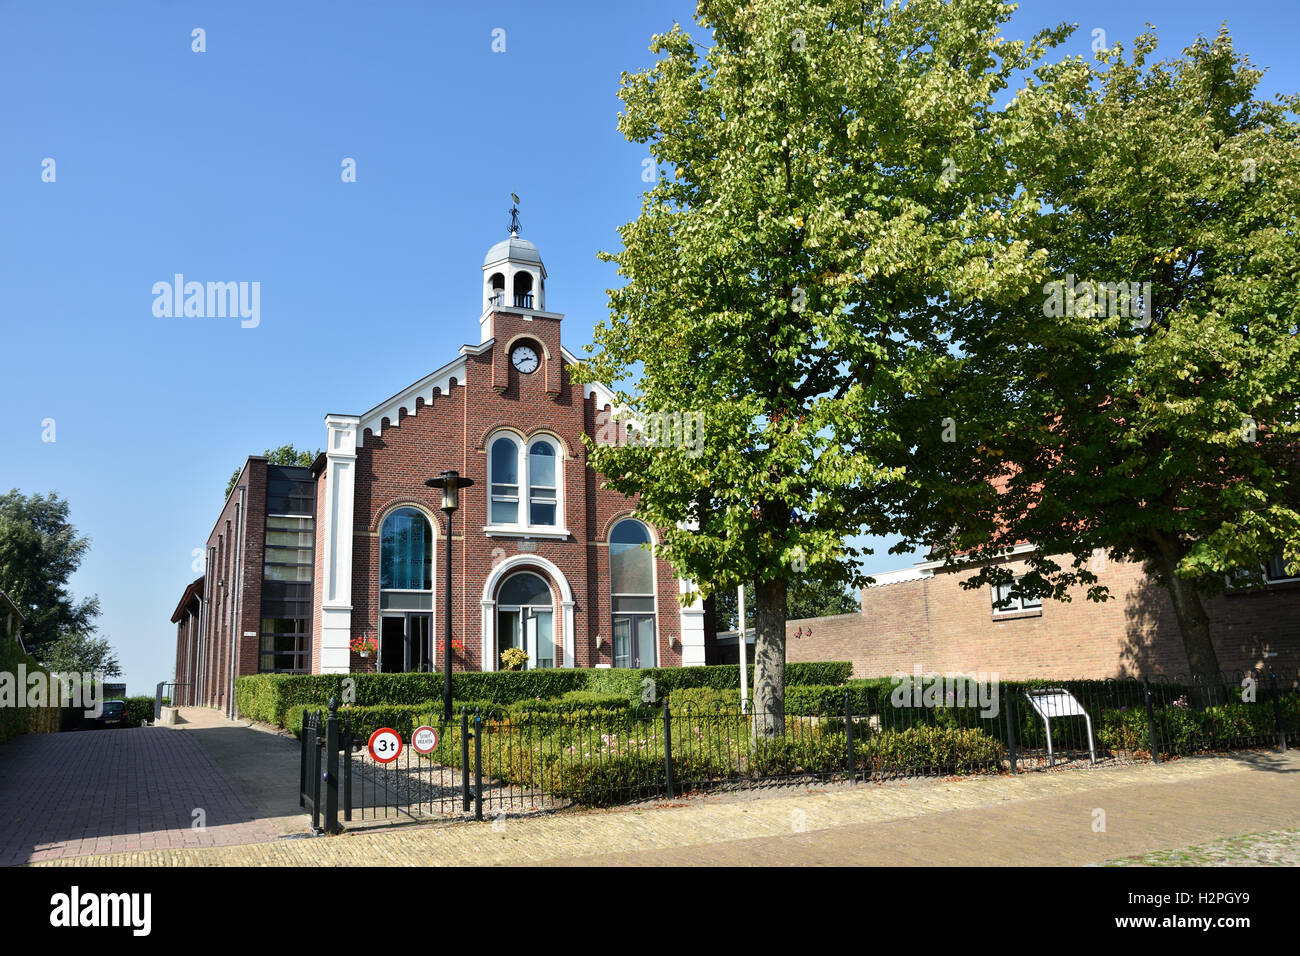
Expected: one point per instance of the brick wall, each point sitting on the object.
(452, 432)
(934, 623)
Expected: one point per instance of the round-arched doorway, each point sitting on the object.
(526, 618)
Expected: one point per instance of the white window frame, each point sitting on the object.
(523, 526)
(1020, 605)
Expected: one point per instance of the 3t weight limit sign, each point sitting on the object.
(385, 745)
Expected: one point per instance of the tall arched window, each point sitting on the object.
(632, 594)
(541, 484)
(406, 552)
(505, 482)
(525, 618)
(405, 592)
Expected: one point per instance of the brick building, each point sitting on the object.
(919, 617)
(303, 562)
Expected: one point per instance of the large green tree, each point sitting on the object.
(81, 653)
(284, 455)
(39, 551)
(830, 196)
(1155, 422)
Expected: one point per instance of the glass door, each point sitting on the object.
(419, 648)
(634, 640)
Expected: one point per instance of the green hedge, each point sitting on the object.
(24, 720)
(271, 698)
(139, 709)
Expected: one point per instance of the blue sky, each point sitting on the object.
(225, 166)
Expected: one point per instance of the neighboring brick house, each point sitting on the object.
(304, 561)
(918, 617)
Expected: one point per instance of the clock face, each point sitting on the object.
(524, 358)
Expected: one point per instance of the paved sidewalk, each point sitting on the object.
(1033, 819)
(103, 791)
(262, 761)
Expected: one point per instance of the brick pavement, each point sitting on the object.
(107, 791)
(1041, 818)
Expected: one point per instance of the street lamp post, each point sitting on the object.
(450, 482)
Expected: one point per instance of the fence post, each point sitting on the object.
(848, 735)
(668, 747)
(1151, 723)
(1277, 712)
(478, 765)
(347, 769)
(331, 772)
(464, 759)
(314, 771)
(302, 761)
(1011, 731)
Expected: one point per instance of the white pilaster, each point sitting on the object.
(488, 615)
(337, 513)
(567, 636)
(692, 622)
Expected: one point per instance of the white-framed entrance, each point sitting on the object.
(562, 615)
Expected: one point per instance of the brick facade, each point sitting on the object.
(934, 623)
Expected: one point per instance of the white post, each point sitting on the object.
(744, 651)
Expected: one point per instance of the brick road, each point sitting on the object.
(107, 791)
(1040, 818)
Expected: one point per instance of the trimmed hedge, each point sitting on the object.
(16, 720)
(271, 698)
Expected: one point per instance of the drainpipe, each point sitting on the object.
(237, 626)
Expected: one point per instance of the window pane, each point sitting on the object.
(505, 462)
(288, 572)
(642, 605)
(289, 539)
(542, 513)
(631, 566)
(405, 551)
(505, 512)
(541, 464)
(524, 588)
(289, 524)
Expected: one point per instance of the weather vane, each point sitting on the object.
(514, 216)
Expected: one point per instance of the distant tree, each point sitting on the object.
(79, 652)
(804, 599)
(284, 455)
(39, 551)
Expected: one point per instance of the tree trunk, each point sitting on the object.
(769, 659)
(1193, 622)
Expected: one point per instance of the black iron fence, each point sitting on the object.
(524, 760)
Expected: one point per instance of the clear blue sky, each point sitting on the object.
(225, 165)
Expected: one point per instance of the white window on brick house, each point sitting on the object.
(527, 493)
(632, 594)
(504, 479)
(542, 487)
(1008, 600)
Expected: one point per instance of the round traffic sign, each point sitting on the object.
(424, 740)
(385, 744)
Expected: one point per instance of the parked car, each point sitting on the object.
(113, 714)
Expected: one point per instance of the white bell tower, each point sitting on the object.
(514, 278)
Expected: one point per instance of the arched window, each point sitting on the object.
(505, 482)
(632, 594)
(525, 618)
(523, 290)
(526, 491)
(406, 552)
(405, 592)
(498, 286)
(541, 484)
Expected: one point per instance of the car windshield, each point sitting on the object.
(114, 707)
